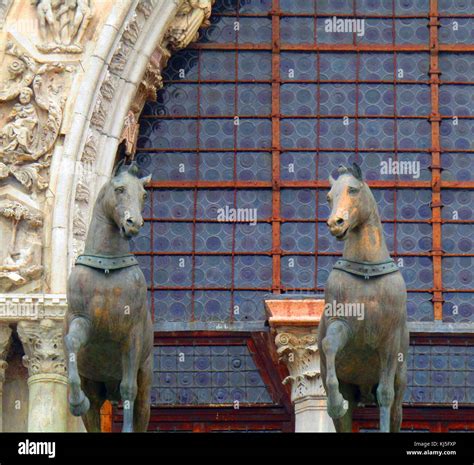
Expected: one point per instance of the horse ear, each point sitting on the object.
(146, 179)
(356, 171)
(121, 150)
(331, 180)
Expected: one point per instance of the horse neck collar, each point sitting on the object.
(366, 269)
(107, 262)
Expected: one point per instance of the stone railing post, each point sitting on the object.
(5, 340)
(47, 382)
(295, 323)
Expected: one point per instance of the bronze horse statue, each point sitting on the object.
(363, 359)
(109, 330)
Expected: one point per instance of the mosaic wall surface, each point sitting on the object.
(203, 375)
(242, 125)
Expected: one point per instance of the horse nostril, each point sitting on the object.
(130, 221)
(339, 221)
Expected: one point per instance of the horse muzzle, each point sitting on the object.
(338, 228)
(130, 228)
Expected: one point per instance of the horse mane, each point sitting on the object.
(354, 170)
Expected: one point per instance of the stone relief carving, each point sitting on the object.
(33, 123)
(43, 345)
(62, 24)
(22, 261)
(300, 354)
(192, 15)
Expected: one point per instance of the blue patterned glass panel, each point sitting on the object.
(458, 272)
(419, 306)
(253, 271)
(413, 204)
(458, 307)
(253, 238)
(212, 305)
(410, 7)
(457, 166)
(182, 65)
(299, 65)
(172, 271)
(457, 204)
(456, 30)
(440, 374)
(212, 271)
(200, 375)
(298, 237)
(456, 66)
(337, 99)
(456, 100)
(338, 66)
(298, 203)
(417, 272)
(255, 30)
(413, 237)
(172, 306)
(454, 6)
(297, 6)
(298, 133)
(297, 30)
(172, 237)
(457, 238)
(298, 99)
(173, 203)
(254, 65)
(297, 272)
(250, 305)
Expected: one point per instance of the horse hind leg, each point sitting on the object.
(337, 335)
(129, 385)
(76, 337)
(386, 388)
(141, 414)
(95, 392)
(400, 385)
(344, 424)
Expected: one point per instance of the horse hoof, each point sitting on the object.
(338, 409)
(80, 408)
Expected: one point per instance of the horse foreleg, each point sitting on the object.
(385, 389)
(76, 337)
(128, 385)
(337, 335)
(141, 414)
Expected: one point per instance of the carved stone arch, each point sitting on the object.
(123, 71)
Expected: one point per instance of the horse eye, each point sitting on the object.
(145, 196)
(353, 190)
(120, 190)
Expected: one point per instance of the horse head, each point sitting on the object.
(123, 199)
(350, 200)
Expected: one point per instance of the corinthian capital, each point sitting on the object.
(299, 351)
(5, 340)
(43, 346)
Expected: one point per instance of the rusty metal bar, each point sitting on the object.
(276, 151)
(436, 204)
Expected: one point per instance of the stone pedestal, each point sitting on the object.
(5, 340)
(295, 323)
(47, 382)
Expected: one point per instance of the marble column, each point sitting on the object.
(297, 348)
(5, 340)
(294, 323)
(47, 382)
